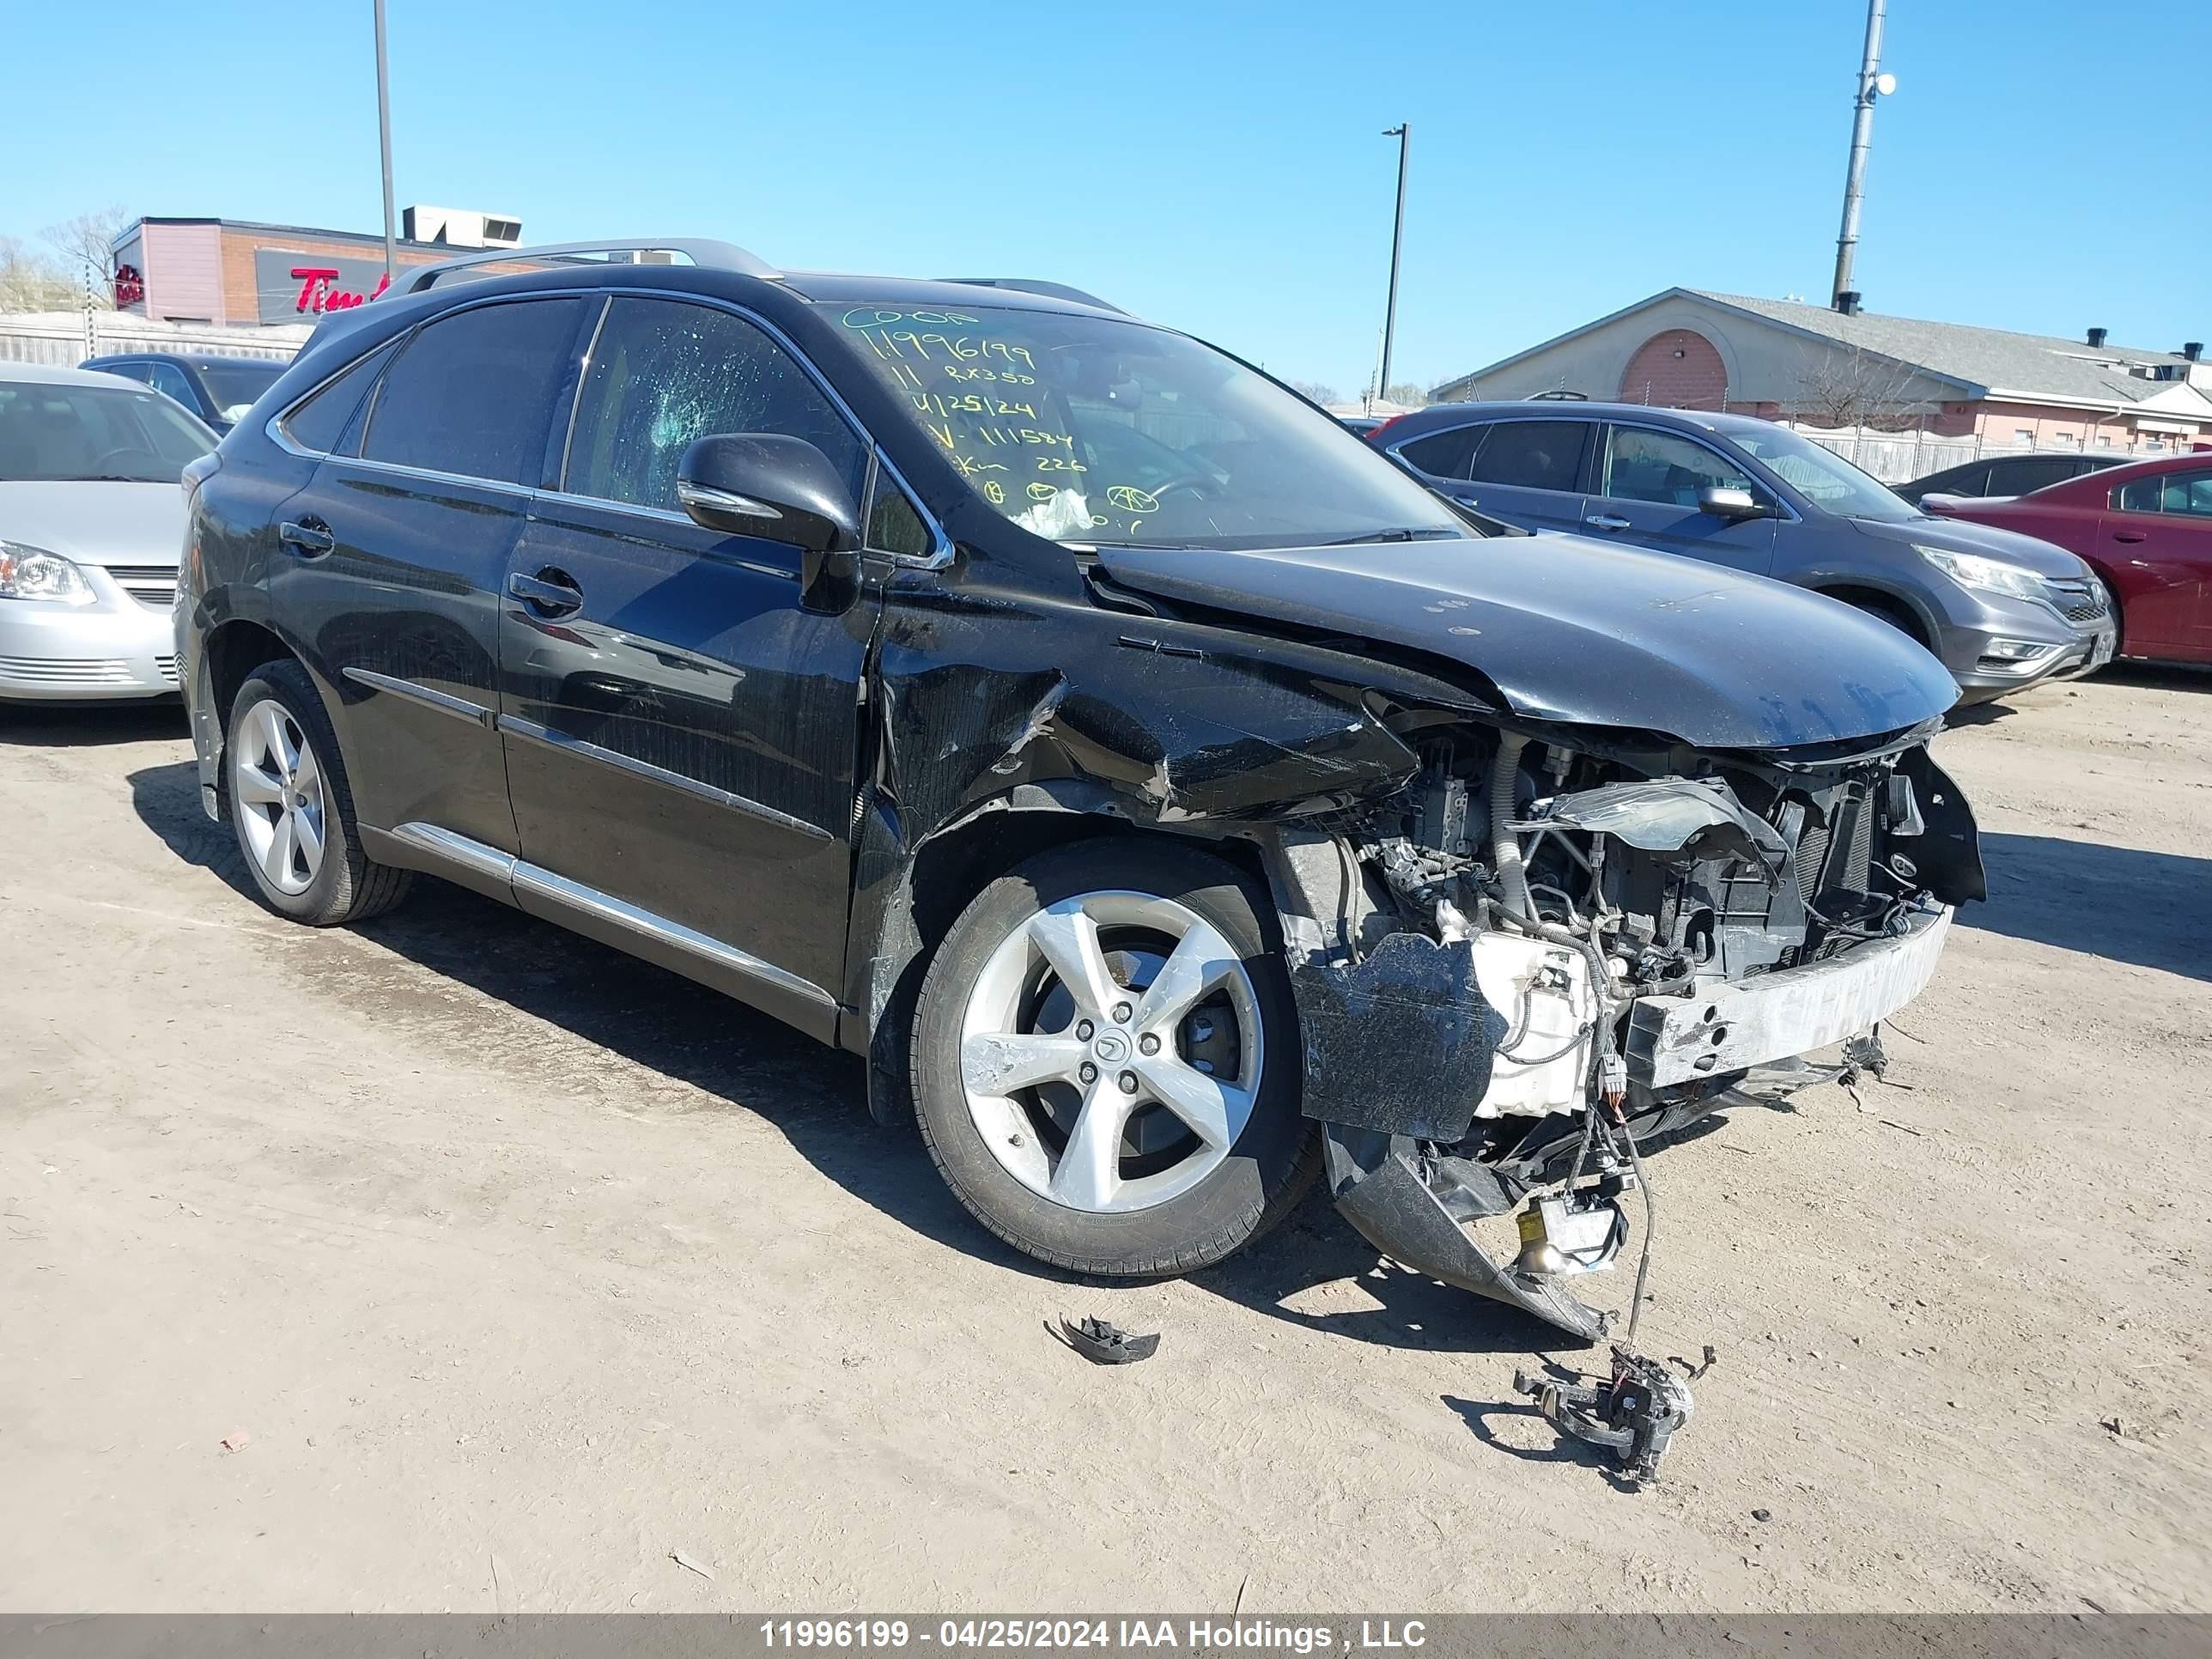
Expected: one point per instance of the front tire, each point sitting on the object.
(1895, 613)
(1106, 1060)
(291, 808)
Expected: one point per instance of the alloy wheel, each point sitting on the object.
(1111, 1051)
(276, 790)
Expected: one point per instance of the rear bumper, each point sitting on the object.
(1770, 1017)
(118, 649)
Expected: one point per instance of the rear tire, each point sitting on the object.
(1177, 1176)
(291, 808)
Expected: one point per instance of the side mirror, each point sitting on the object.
(1729, 503)
(779, 489)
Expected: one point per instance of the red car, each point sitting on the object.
(2147, 529)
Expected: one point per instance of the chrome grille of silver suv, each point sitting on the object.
(2078, 598)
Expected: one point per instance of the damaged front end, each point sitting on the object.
(1554, 947)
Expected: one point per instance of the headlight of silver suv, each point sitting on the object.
(32, 573)
(1991, 576)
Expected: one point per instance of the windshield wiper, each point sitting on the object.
(1145, 547)
(1398, 533)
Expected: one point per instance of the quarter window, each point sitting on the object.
(893, 525)
(321, 423)
(666, 371)
(472, 393)
(1531, 454)
(1643, 465)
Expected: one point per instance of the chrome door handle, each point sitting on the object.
(310, 539)
(1605, 521)
(550, 592)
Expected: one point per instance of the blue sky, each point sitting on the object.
(1219, 168)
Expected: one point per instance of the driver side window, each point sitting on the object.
(1642, 465)
(168, 379)
(666, 371)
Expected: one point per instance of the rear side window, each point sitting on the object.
(1664, 468)
(1531, 454)
(666, 371)
(1443, 454)
(2018, 478)
(321, 423)
(471, 394)
(1961, 481)
(2189, 494)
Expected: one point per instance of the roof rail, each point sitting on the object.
(703, 251)
(1048, 290)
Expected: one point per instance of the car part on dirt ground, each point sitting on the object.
(1635, 1412)
(1103, 1344)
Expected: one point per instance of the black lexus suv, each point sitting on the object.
(1168, 795)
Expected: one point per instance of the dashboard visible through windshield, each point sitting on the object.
(1091, 432)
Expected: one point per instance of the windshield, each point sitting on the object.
(1825, 479)
(235, 386)
(52, 433)
(1094, 432)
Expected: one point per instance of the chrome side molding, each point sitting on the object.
(534, 733)
(441, 846)
(445, 845)
(574, 895)
(444, 702)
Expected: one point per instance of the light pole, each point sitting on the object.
(1404, 134)
(1872, 84)
(384, 140)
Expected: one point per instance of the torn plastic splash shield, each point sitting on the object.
(1378, 1184)
(1398, 1048)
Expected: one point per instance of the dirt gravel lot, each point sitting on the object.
(459, 1263)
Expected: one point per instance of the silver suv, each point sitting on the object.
(2001, 611)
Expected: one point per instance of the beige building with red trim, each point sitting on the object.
(1782, 359)
(233, 271)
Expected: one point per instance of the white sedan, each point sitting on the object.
(92, 522)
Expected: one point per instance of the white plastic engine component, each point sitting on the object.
(1544, 992)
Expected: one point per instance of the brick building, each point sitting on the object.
(233, 271)
(1782, 359)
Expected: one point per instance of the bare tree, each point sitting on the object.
(86, 243)
(32, 280)
(1852, 387)
(1319, 391)
(1408, 394)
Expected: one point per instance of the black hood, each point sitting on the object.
(1570, 629)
